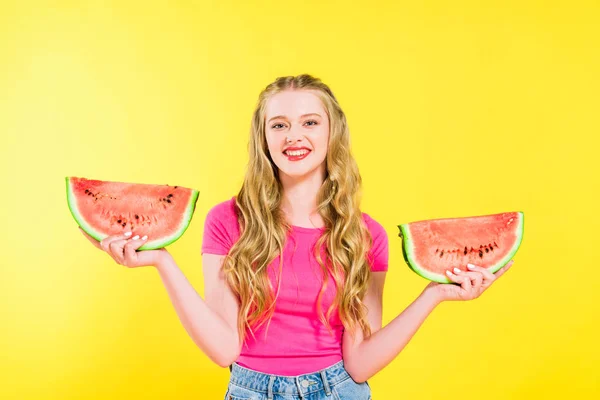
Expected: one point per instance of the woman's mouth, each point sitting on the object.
(296, 155)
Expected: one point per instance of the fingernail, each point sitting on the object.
(449, 273)
(136, 237)
(127, 233)
(456, 271)
(145, 237)
(470, 266)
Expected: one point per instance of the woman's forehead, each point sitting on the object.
(293, 104)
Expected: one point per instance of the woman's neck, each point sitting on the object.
(299, 202)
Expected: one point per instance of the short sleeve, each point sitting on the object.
(378, 255)
(220, 229)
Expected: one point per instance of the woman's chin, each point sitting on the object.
(298, 173)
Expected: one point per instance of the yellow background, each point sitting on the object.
(455, 109)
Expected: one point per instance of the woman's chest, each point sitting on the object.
(299, 283)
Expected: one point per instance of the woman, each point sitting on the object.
(293, 270)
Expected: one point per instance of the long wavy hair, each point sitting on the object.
(263, 228)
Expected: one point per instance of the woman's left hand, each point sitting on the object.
(470, 284)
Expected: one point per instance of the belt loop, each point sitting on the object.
(299, 387)
(325, 383)
(270, 387)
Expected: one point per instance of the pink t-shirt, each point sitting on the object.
(296, 342)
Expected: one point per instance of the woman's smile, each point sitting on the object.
(296, 153)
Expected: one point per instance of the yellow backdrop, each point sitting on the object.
(455, 109)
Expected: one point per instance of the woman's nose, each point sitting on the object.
(294, 135)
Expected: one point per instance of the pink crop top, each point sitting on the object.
(296, 342)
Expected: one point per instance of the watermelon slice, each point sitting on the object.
(103, 208)
(432, 247)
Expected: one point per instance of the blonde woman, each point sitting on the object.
(293, 270)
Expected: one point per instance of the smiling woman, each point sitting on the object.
(293, 269)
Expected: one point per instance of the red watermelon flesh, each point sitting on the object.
(104, 208)
(432, 247)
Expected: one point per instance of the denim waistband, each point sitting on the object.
(291, 385)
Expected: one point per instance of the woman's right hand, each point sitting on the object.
(122, 248)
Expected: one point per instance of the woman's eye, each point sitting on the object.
(275, 126)
(315, 122)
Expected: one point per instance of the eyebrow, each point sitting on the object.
(302, 116)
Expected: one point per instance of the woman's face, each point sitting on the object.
(297, 131)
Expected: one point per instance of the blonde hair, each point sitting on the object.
(263, 226)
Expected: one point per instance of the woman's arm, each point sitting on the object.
(363, 358)
(212, 324)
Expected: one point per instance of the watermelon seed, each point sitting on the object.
(480, 254)
(170, 195)
(487, 250)
(119, 221)
(495, 244)
(465, 250)
(137, 216)
(436, 251)
(442, 254)
(168, 201)
(175, 187)
(123, 224)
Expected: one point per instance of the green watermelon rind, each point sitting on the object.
(150, 245)
(408, 253)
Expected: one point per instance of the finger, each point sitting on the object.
(463, 280)
(476, 280)
(130, 250)
(116, 250)
(105, 243)
(502, 270)
(487, 275)
(91, 239)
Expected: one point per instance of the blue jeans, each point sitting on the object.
(331, 383)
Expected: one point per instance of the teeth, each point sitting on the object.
(296, 153)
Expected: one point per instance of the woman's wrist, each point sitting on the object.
(164, 260)
(432, 295)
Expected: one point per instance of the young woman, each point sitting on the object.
(293, 270)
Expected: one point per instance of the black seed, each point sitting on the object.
(480, 253)
(175, 187)
(168, 201)
(119, 221)
(123, 224)
(487, 250)
(465, 250)
(436, 250)
(442, 254)
(495, 244)
(86, 190)
(170, 195)
(137, 216)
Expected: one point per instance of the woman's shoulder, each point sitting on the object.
(372, 224)
(221, 228)
(224, 210)
(379, 252)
